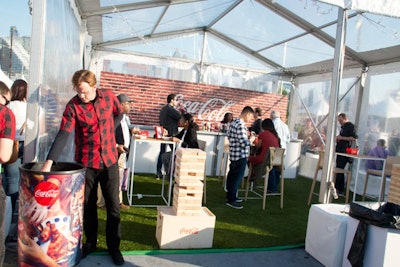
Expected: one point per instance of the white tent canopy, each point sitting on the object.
(382, 7)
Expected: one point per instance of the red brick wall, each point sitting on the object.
(204, 102)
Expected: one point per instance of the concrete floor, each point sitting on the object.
(293, 257)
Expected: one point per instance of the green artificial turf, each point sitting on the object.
(250, 227)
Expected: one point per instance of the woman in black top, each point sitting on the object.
(187, 137)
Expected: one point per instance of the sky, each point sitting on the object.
(15, 13)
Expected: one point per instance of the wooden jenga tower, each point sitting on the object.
(189, 176)
(186, 224)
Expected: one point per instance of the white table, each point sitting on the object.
(326, 233)
(131, 163)
(292, 158)
(359, 158)
(381, 245)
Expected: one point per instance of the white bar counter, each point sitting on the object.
(147, 154)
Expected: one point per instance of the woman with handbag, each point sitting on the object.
(18, 106)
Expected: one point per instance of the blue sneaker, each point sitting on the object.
(234, 205)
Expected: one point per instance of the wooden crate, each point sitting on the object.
(394, 187)
(184, 232)
(185, 211)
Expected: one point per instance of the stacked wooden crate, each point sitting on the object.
(186, 224)
(394, 188)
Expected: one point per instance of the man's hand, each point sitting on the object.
(122, 149)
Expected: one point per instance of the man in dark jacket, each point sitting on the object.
(348, 134)
(169, 119)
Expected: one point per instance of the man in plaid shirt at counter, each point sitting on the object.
(239, 146)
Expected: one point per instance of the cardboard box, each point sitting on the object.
(184, 232)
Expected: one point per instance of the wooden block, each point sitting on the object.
(188, 202)
(183, 154)
(189, 175)
(190, 165)
(189, 159)
(188, 180)
(192, 189)
(184, 232)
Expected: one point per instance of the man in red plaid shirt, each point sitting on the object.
(7, 135)
(93, 114)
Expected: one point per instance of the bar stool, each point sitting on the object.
(319, 167)
(335, 171)
(275, 158)
(387, 172)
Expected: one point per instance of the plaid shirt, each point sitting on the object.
(239, 144)
(94, 128)
(7, 123)
(7, 126)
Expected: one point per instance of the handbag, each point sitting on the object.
(124, 181)
(15, 151)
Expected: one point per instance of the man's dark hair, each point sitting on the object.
(258, 111)
(247, 109)
(381, 142)
(170, 97)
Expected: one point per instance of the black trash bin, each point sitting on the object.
(50, 214)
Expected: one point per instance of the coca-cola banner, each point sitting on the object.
(50, 215)
(207, 103)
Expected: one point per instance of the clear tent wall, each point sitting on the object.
(62, 41)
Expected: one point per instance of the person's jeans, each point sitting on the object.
(11, 180)
(235, 176)
(109, 182)
(2, 215)
(163, 149)
(159, 161)
(273, 180)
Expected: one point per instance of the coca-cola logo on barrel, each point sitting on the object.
(46, 193)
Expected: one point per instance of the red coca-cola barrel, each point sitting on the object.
(50, 214)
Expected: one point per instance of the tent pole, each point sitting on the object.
(333, 102)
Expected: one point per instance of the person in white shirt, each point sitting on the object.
(281, 128)
(123, 138)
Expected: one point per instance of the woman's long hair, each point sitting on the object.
(19, 90)
(226, 117)
(189, 118)
(268, 125)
